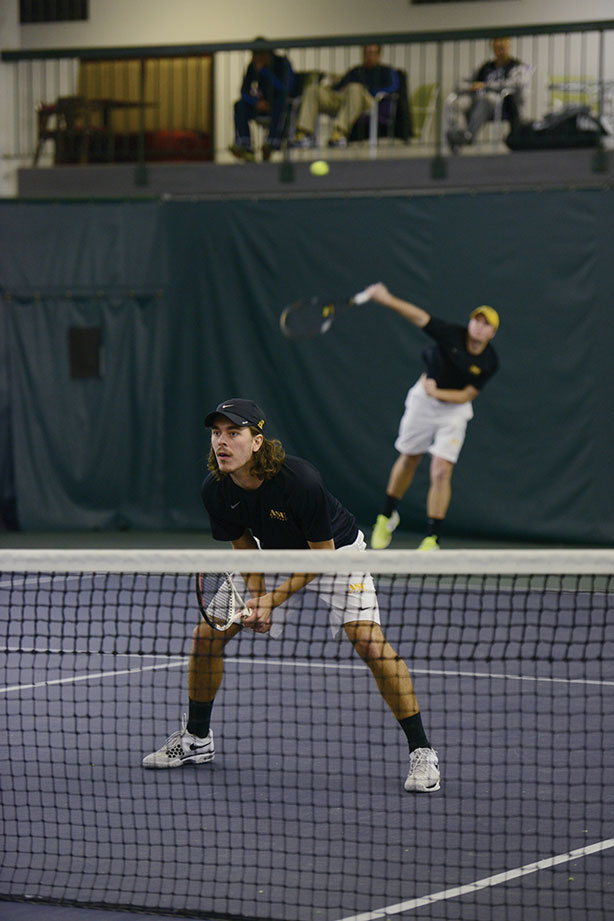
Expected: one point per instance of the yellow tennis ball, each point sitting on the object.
(319, 168)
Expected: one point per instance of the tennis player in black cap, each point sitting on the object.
(257, 496)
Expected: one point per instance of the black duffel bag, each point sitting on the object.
(571, 126)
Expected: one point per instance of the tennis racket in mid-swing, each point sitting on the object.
(219, 601)
(313, 316)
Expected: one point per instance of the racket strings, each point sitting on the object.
(219, 598)
(313, 316)
(307, 317)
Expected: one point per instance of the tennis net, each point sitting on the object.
(303, 813)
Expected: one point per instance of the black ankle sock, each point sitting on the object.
(433, 527)
(390, 505)
(199, 715)
(414, 730)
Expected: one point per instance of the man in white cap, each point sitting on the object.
(437, 409)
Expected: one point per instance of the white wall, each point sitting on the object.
(145, 22)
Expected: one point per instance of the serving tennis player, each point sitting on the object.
(437, 410)
(256, 495)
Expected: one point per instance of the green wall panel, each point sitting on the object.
(188, 296)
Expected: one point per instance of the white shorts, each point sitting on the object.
(430, 425)
(348, 597)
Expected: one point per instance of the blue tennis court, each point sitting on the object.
(303, 814)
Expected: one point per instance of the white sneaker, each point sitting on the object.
(423, 774)
(382, 530)
(182, 748)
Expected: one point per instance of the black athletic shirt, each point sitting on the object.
(284, 513)
(449, 362)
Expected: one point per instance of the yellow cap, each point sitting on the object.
(489, 313)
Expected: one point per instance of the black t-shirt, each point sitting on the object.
(449, 362)
(284, 513)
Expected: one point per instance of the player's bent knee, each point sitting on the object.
(362, 647)
(368, 640)
(205, 637)
(441, 470)
(210, 642)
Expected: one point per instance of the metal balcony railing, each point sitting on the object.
(148, 104)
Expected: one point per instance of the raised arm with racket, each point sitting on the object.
(313, 316)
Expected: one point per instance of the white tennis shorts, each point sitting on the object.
(429, 425)
(348, 597)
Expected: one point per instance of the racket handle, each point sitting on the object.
(361, 298)
(240, 616)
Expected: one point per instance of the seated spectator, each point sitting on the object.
(266, 86)
(477, 103)
(346, 100)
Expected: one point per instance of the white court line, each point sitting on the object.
(297, 663)
(422, 671)
(507, 876)
(337, 666)
(502, 676)
(35, 582)
(62, 651)
(173, 664)
(94, 675)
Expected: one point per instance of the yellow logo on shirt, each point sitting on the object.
(475, 370)
(358, 587)
(278, 516)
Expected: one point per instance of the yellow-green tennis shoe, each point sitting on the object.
(382, 530)
(430, 543)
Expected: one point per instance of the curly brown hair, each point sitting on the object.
(267, 459)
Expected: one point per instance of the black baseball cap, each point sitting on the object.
(241, 412)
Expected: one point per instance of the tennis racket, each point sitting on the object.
(219, 601)
(313, 316)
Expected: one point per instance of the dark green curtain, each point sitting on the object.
(89, 451)
(189, 294)
(7, 479)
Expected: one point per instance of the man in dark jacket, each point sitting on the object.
(267, 83)
(346, 100)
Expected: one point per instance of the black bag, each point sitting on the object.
(571, 126)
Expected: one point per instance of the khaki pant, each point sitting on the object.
(346, 106)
